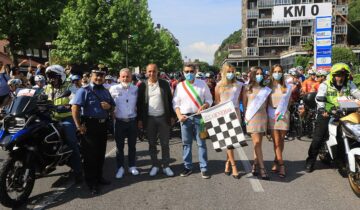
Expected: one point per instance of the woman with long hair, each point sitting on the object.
(279, 116)
(229, 89)
(255, 100)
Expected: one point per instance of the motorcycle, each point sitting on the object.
(344, 126)
(34, 143)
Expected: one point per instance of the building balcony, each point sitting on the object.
(307, 23)
(252, 32)
(251, 51)
(274, 41)
(305, 39)
(269, 23)
(295, 31)
(333, 40)
(341, 10)
(271, 3)
(234, 53)
(340, 29)
(252, 14)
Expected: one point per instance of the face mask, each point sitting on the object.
(189, 76)
(230, 76)
(277, 76)
(259, 78)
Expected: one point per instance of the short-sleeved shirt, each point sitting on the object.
(89, 98)
(4, 88)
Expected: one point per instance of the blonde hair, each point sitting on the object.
(224, 81)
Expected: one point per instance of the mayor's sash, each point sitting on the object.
(258, 101)
(283, 104)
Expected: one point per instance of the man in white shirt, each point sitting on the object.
(125, 97)
(156, 115)
(191, 97)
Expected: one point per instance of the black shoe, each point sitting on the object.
(205, 175)
(94, 190)
(103, 181)
(309, 167)
(78, 178)
(185, 172)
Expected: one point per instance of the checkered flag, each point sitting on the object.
(224, 127)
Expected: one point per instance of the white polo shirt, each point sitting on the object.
(182, 100)
(125, 100)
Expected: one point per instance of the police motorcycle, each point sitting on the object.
(344, 125)
(34, 143)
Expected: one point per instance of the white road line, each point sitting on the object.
(255, 183)
(47, 200)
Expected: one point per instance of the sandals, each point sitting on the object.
(254, 170)
(237, 176)
(274, 168)
(264, 175)
(281, 172)
(227, 164)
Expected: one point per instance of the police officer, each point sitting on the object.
(338, 84)
(94, 104)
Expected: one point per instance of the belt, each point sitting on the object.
(93, 119)
(126, 119)
(188, 114)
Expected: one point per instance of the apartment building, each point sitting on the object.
(265, 43)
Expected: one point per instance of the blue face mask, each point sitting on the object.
(189, 76)
(230, 76)
(277, 76)
(259, 78)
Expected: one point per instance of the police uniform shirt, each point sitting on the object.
(125, 100)
(90, 103)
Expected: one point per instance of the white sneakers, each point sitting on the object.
(154, 171)
(167, 171)
(133, 171)
(121, 171)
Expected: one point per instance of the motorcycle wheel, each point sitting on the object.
(324, 155)
(14, 190)
(354, 179)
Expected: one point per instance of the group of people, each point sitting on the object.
(156, 104)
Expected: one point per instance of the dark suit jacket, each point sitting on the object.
(143, 101)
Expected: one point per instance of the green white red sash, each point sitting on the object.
(283, 104)
(255, 104)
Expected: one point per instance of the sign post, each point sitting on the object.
(323, 43)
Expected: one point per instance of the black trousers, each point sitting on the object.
(93, 150)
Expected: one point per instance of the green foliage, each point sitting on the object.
(302, 61)
(344, 55)
(354, 18)
(222, 53)
(115, 33)
(309, 46)
(27, 24)
(357, 80)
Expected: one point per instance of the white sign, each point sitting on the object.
(323, 34)
(301, 11)
(323, 23)
(323, 60)
(323, 42)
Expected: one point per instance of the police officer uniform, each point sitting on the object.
(94, 117)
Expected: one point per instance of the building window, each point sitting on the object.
(44, 54)
(36, 53)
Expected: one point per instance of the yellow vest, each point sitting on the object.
(59, 101)
(332, 94)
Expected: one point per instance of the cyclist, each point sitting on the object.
(320, 78)
(40, 82)
(309, 83)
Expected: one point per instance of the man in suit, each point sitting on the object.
(156, 115)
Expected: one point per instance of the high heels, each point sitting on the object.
(274, 168)
(254, 170)
(264, 175)
(227, 166)
(282, 173)
(235, 176)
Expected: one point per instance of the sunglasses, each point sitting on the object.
(186, 72)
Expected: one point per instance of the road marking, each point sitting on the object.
(255, 183)
(47, 200)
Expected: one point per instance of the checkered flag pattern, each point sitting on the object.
(225, 132)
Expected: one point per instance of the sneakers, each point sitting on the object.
(133, 171)
(168, 172)
(120, 173)
(205, 175)
(154, 170)
(185, 172)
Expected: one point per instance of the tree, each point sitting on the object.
(222, 53)
(27, 24)
(354, 18)
(302, 61)
(344, 55)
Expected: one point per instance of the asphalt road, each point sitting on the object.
(322, 189)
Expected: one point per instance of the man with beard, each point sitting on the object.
(335, 86)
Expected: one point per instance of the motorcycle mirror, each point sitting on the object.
(321, 98)
(66, 93)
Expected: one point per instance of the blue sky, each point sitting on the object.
(199, 25)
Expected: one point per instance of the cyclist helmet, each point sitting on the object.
(39, 78)
(14, 82)
(56, 71)
(322, 73)
(199, 75)
(109, 77)
(299, 68)
(311, 72)
(74, 77)
(294, 72)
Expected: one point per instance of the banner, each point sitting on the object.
(301, 11)
(224, 126)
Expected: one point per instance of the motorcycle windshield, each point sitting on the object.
(24, 102)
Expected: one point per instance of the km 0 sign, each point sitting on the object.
(301, 11)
